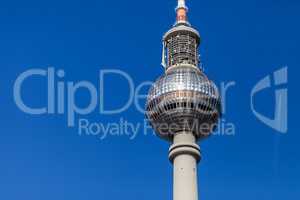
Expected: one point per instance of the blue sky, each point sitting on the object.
(242, 41)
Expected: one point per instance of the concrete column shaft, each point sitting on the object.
(185, 154)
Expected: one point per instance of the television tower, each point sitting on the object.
(183, 105)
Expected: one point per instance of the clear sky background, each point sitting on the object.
(242, 41)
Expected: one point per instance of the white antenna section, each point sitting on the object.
(181, 4)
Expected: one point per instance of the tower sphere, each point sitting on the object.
(183, 99)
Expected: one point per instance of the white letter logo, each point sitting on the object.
(279, 122)
(17, 92)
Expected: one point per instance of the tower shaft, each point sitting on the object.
(183, 105)
(185, 155)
